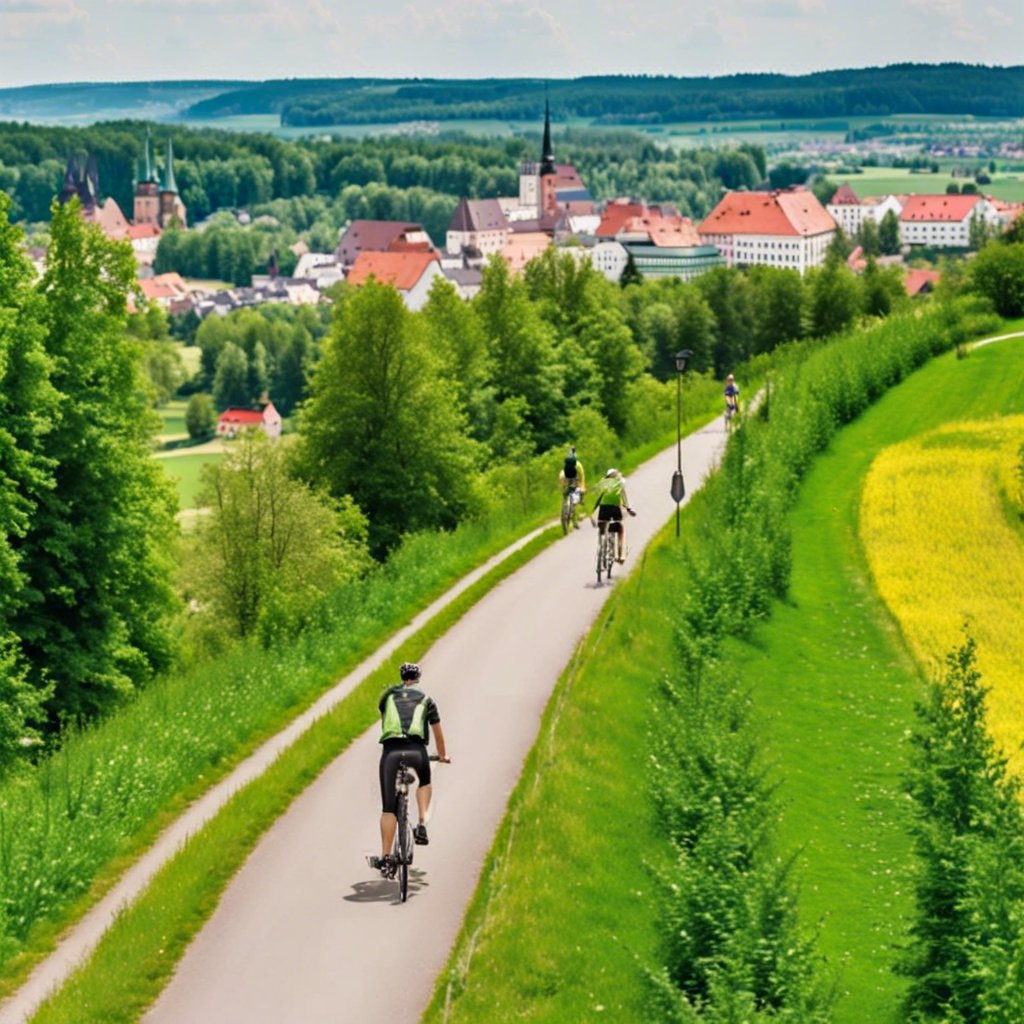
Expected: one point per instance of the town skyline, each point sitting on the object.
(63, 41)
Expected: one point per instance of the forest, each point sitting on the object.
(638, 99)
(309, 189)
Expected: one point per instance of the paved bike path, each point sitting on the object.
(305, 933)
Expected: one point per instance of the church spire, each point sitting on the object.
(148, 158)
(169, 184)
(547, 158)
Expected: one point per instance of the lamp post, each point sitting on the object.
(678, 487)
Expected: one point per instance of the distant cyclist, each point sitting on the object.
(609, 501)
(572, 480)
(406, 715)
(732, 399)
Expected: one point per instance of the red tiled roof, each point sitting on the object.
(401, 269)
(917, 280)
(665, 231)
(615, 215)
(790, 212)
(372, 236)
(943, 208)
(143, 231)
(844, 196)
(242, 416)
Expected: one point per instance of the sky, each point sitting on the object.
(49, 41)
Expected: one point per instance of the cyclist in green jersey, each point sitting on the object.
(609, 501)
(407, 715)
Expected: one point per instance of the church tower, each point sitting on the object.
(147, 200)
(172, 209)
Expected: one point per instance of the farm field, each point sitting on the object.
(834, 685)
(941, 563)
(879, 181)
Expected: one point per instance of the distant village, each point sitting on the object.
(785, 228)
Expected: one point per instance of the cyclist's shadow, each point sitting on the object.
(382, 890)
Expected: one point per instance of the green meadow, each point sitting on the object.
(881, 181)
(185, 471)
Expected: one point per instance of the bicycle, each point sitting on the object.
(400, 859)
(606, 547)
(731, 412)
(570, 499)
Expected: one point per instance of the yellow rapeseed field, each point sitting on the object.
(937, 524)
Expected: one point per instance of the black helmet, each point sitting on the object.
(409, 670)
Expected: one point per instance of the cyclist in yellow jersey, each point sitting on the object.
(571, 477)
(609, 501)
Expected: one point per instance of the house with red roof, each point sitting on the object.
(786, 228)
(381, 236)
(944, 221)
(410, 273)
(233, 421)
(920, 281)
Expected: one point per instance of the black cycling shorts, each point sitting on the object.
(610, 514)
(415, 755)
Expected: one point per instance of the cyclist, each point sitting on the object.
(571, 479)
(732, 399)
(610, 499)
(407, 714)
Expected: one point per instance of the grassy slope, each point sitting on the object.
(560, 925)
(834, 681)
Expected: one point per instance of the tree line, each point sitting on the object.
(907, 88)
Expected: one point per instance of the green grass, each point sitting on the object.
(172, 414)
(835, 688)
(880, 181)
(184, 470)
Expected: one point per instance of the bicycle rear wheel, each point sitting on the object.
(403, 841)
(566, 512)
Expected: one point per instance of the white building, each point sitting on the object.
(787, 228)
(944, 221)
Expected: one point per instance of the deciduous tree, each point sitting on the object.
(383, 422)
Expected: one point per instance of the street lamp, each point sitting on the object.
(678, 487)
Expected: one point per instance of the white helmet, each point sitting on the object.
(612, 472)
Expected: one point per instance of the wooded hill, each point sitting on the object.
(637, 99)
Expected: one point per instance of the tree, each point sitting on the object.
(779, 300)
(881, 290)
(272, 545)
(200, 415)
(454, 332)
(522, 346)
(383, 422)
(231, 382)
(965, 957)
(867, 237)
(889, 234)
(28, 404)
(997, 272)
(96, 626)
(835, 300)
